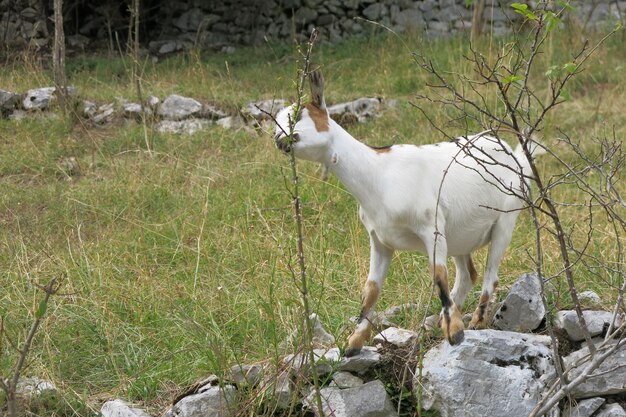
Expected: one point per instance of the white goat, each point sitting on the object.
(449, 198)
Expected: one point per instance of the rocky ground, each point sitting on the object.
(503, 371)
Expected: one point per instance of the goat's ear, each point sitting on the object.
(316, 81)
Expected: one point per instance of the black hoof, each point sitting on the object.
(352, 352)
(457, 338)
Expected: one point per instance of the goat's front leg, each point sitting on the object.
(380, 258)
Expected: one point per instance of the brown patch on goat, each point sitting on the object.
(370, 295)
(319, 117)
(357, 340)
(478, 317)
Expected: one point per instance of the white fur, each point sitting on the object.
(436, 199)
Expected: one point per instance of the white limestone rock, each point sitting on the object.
(584, 408)
(609, 378)
(183, 127)
(611, 410)
(522, 310)
(176, 107)
(263, 109)
(214, 402)
(491, 373)
(596, 322)
(590, 298)
(38, 98)
(345, 380)
(367, 400)
(119, 408)
(396, 337)
(246, 375)
(329, 360)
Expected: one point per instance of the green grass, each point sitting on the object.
(175, 265)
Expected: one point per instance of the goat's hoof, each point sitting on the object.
(457, 338)
(476, 326)
(476, 323)
(350, 352)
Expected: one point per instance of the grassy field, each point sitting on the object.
(175, 265)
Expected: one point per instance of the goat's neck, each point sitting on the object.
(355, 165)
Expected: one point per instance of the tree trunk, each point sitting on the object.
(477, 19)
(58, 55)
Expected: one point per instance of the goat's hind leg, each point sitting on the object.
(500, 238)
(451, 320)
(380, 259)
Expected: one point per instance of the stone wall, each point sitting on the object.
(172, 26)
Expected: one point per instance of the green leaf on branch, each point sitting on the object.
(523, 9)
(41, 310)
(553, 71)
(565, 95)
(512, 78)
(570, 67)
(552, 21)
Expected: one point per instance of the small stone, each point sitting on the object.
(214, 402)
(8, 102)
(210, 111)
(119, 408)
(305, 15)
(38, 98)
(176, 107)
(410, 19)
(153, 102)
(325, 361)
(362, 108)
(264, 109)
(396, 337)
(89, 109)
(374, 11)
(522, 310)
(608, 379)
(34, 386)
(183, 127)
(103, 114)
(361, 363)
(246, 375)
(230, 122)
(320, 335)
(611, 410)
(584, 408)
(168, 48)
(369, 399)
(134, 110)
(344, 380)
(17, 115)
(431, 322)
(589, 297)
(596, 322)
(279, 390)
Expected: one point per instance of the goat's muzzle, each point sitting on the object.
(285, 142)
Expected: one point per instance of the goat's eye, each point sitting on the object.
(296, 137)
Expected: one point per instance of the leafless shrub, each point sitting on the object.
(592, 166)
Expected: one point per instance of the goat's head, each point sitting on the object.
(311, 126)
